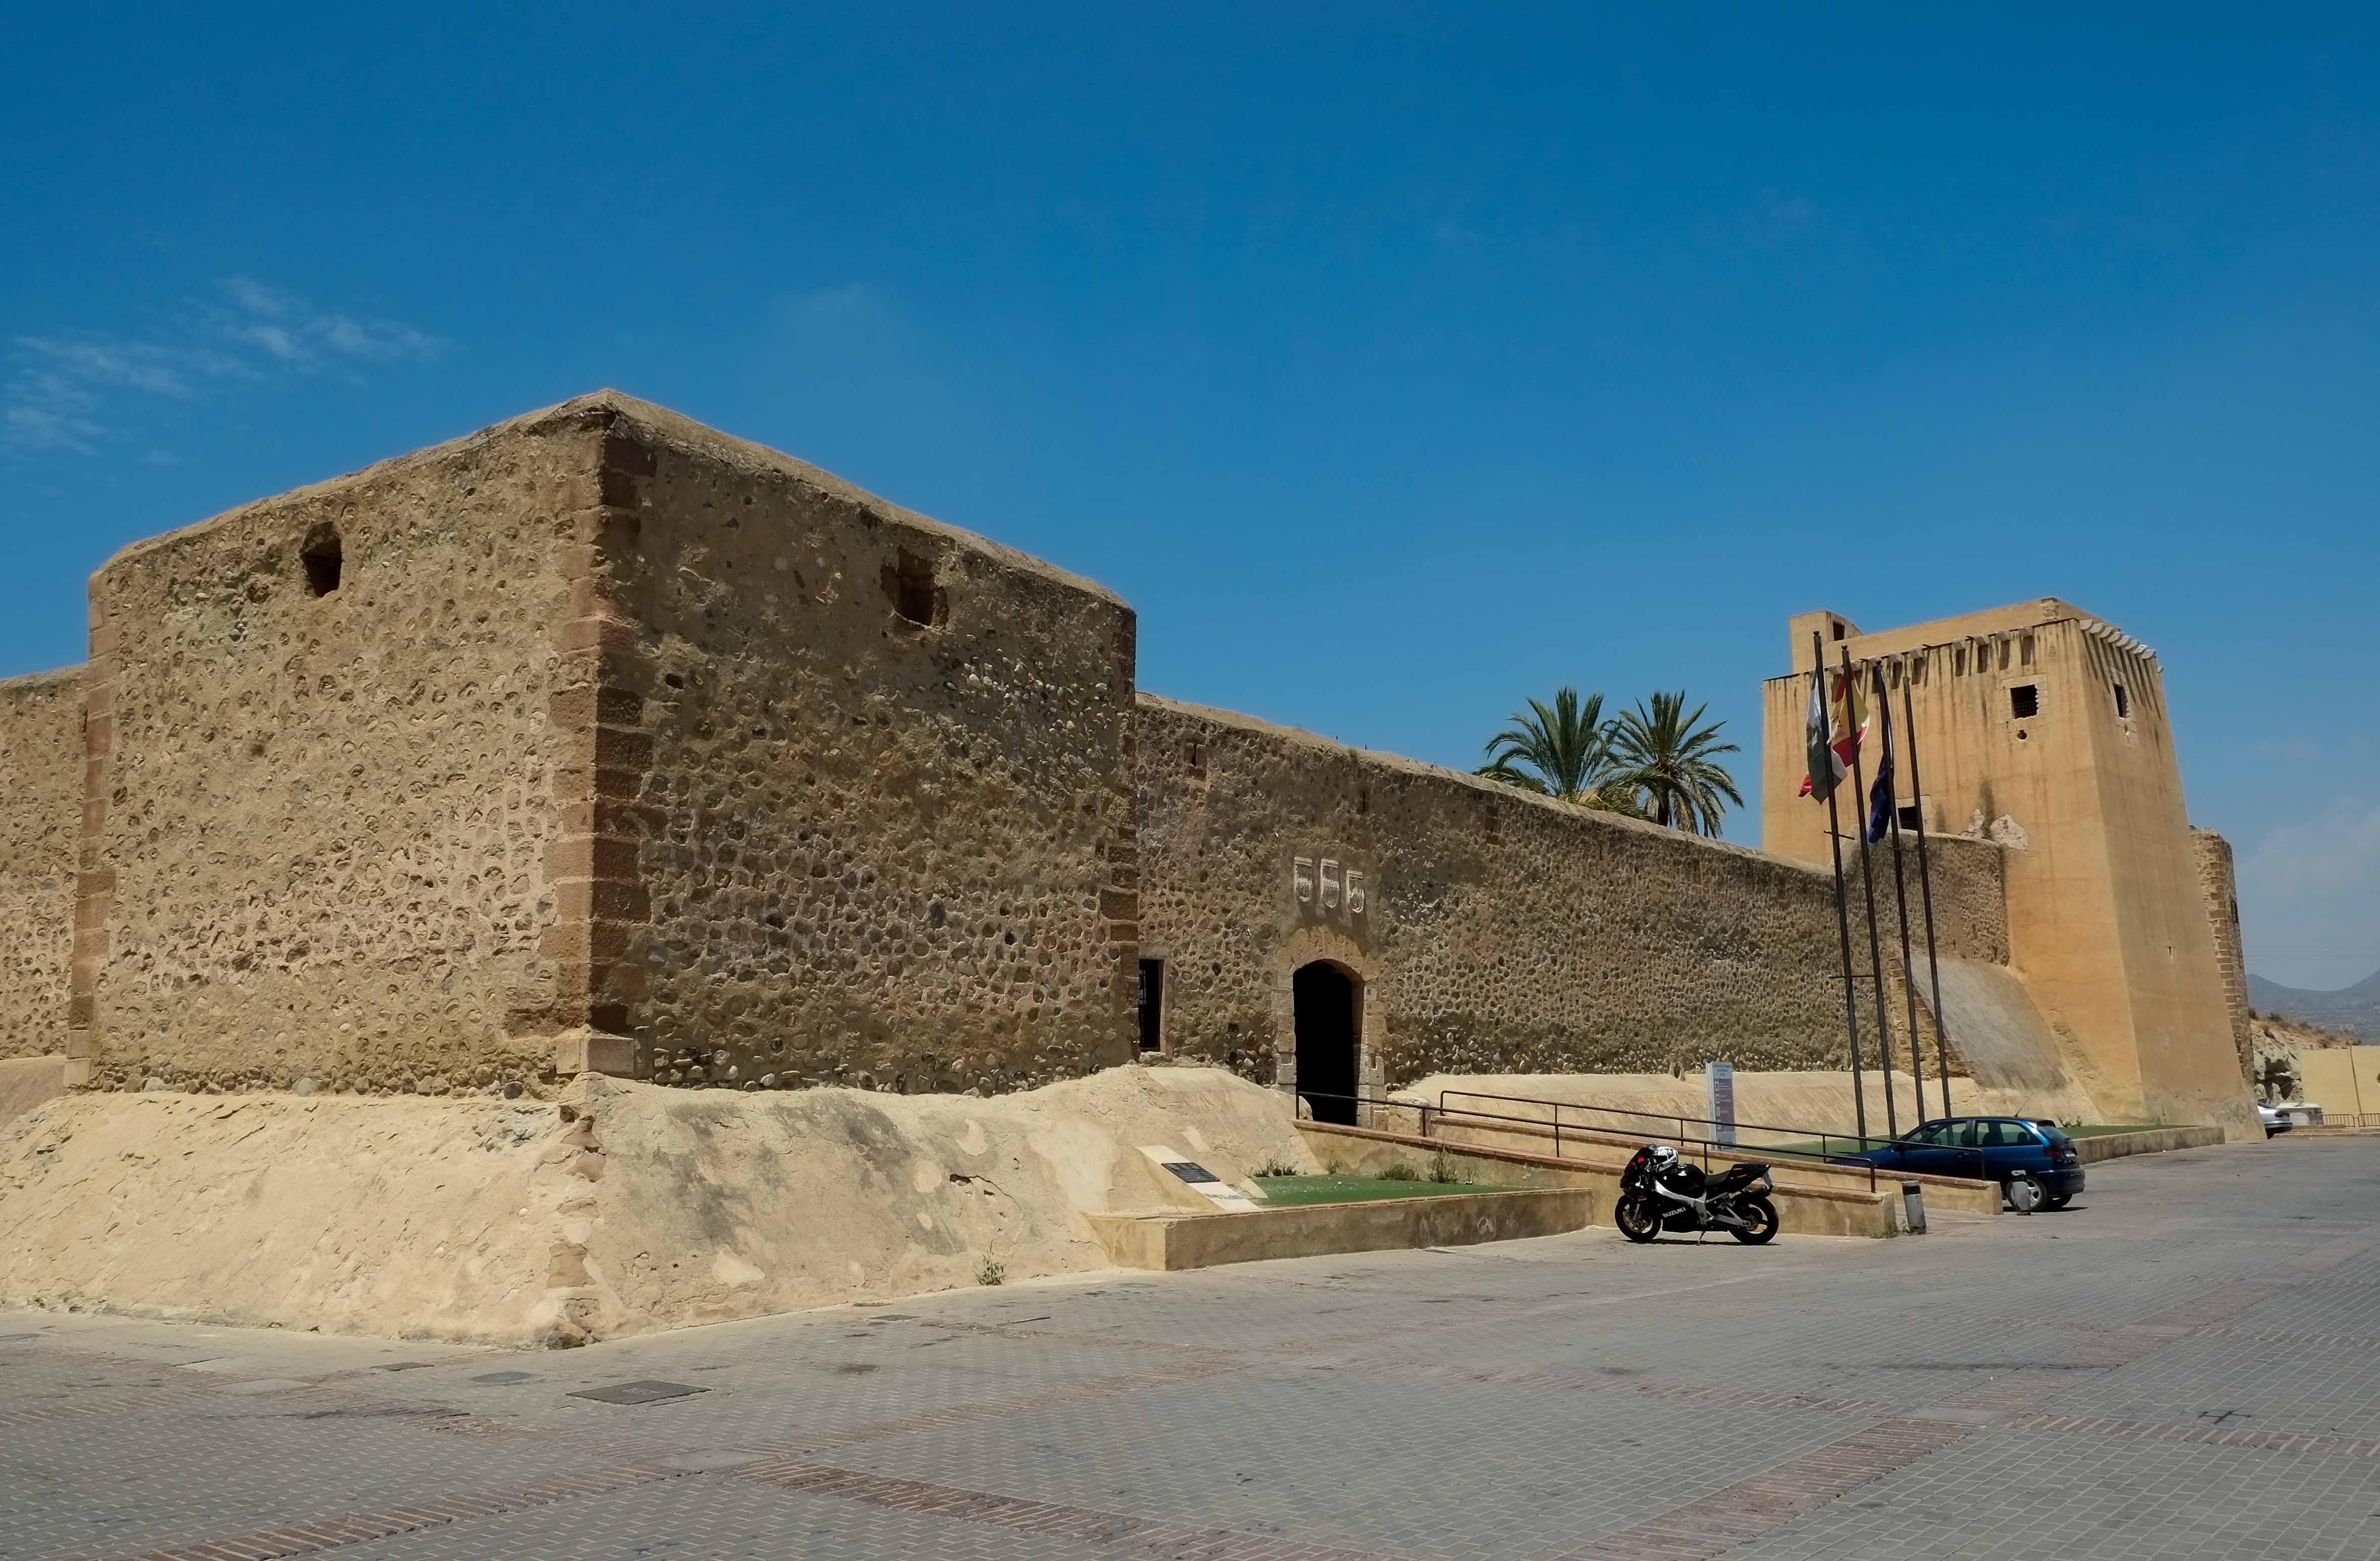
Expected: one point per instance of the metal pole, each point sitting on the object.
(1842, 907)
(1874, 942)
(1901, 900)
(1926, 886)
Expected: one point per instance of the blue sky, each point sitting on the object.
(1396, 362)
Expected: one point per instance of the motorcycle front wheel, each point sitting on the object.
(1636, 1218)
(1760, 1218)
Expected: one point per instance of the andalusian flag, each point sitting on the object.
(1837, 725)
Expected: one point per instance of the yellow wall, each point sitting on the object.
(2107, 920)
(2343, 1080)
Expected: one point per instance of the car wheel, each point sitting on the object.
(2024, 1192)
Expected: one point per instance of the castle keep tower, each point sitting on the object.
(2043, 728)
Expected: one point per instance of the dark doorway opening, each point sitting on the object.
(1152, 1005)
(1324, 996)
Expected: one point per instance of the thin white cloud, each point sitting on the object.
(2310, 896)
(289, 330)
(47, 410)
(68, 391)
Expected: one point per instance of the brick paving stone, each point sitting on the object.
(2182, 1365)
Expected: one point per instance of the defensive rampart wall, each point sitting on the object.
(1489, 930)
(41, 796)
(597, 741)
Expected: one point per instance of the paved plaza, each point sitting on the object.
(2184, 1364)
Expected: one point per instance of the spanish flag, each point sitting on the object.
(1837, 725)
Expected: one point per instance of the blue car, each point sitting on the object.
(2001, 1149)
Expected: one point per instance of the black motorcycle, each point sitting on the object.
(1660, 1191)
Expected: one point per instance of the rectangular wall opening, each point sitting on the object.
(2024, 701)
(2123, 703)
(1152, 1005)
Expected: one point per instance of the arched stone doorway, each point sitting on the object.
(1326, 1006)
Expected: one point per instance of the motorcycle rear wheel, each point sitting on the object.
(1636, 1218)
(1762, 1217)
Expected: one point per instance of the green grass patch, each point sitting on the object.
(1281, 1192)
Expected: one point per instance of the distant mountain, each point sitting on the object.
(2355, 1010)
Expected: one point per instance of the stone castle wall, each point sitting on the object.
(2217, 885)
(40, 781)
(1494, 932)
(880, 830)
(610, 743)
(317, 848)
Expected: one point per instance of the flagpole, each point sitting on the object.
(1900, 903)
(1925, 886)
(1843, 906)
(1867, 883)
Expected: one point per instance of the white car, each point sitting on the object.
(2275, 1119)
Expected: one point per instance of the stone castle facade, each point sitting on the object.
(2042, 724)
(602, 741)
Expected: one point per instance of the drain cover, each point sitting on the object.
(402, 1366)
(637, 1392)
(498, 1378)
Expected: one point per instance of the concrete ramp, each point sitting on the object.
(1991, 1022)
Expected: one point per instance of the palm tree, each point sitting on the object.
(1562, 751)
(1668, 760)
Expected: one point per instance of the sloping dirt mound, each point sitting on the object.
(626, 1207)
(423, 1218)
(716, 1205)
(26, 1082)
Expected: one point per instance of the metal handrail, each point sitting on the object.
(1303, 1099)
(1859, 1142)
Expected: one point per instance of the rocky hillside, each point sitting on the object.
(2355, 1010)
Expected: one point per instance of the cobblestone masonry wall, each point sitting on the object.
(1494, 932)
(319, 812)
(2213, 855)
(40, 781)
(875, 784)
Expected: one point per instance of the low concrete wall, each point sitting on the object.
(2148, 1141)
(1452, 1219)
(1801, 1211)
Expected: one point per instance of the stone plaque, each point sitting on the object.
(1354, 892)
(1330, 885)
(1302, 875)
(1226, 1198)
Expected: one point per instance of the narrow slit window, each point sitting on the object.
(909, 584)
(2123, 703)
(1152, 1005)
(2024, 701)
(322, 560)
